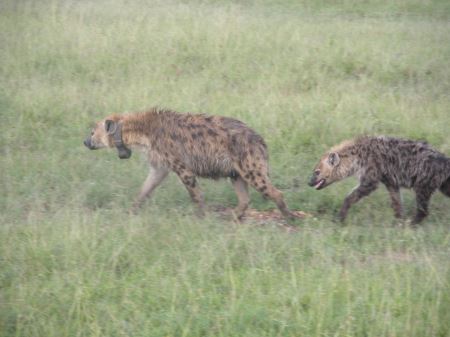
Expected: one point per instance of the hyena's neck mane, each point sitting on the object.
(348, 154)
(355, 149)
(144, 128)
(347, 150)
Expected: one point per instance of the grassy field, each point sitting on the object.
(305, 75)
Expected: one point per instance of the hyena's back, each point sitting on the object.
(404, 163)
(212, 146)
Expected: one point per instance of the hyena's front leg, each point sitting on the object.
(361, 191)
(154, 178)
(189, 181)
(422, 200)
(445, 188)
(396, 201)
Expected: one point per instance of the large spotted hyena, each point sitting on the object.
(191, 145)
(394, 162)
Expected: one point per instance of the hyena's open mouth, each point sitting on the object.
(320, 184)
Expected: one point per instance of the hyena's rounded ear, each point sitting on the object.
(333, 159)
(110, 126)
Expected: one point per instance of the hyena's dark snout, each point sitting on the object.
(312, 180)
(88, 143)
(317, 182)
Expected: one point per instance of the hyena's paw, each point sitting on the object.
(200, 212)
(133, 211)
(341, 216)
(237, 216)
(291, 216)
(135, 208)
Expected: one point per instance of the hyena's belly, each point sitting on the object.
(214, 166)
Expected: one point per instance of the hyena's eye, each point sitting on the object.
(92, 132)
(317, 172)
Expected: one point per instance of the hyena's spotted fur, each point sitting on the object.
(192, 146)
(394, 162)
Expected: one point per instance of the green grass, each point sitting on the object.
(305, 75)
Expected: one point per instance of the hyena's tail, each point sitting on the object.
(445, 187)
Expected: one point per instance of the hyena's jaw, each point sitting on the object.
(320, 184)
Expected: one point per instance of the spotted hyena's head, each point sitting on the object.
(327, 171)
(101, 135)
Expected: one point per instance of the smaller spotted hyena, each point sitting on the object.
(191, 146)
(394, 162)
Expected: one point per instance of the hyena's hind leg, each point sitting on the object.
(396, 201)
(445, 188)
(276, 195)
(241, 189)
(423, 196)
(259, 179)
(190, 182)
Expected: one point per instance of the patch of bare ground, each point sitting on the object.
(257, 217)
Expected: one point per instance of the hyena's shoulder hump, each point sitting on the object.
(343, 147)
